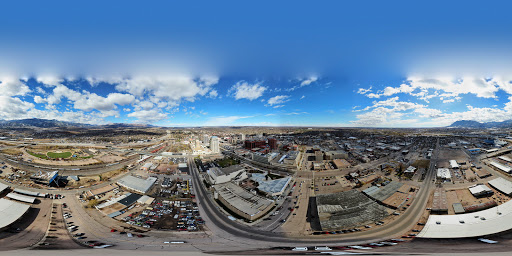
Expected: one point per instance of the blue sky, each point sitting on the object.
(206, 63)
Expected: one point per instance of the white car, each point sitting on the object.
(360, 247)
(322, 248)
(300, 249)
(102, 246)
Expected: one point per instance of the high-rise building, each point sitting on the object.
(206, 139)
(272, 143)
(214, 144)
(243, 137)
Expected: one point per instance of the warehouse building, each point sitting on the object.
(244, 204)
(11, 211)
(454, 164)
(480, 190)
(444, 174)
(222, 175)
(486, 222)
(137, 184)
(502, 185)
(21, 198)
(501, 167)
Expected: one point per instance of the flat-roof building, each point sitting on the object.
(11, 211)
(501, 167)
(271, 187)
(454, 164)
(444, 174)
(222, 175)
(480, 190)
(486, 222)
(137, 184)
(21, 198)
(502, 185)
(242, 202)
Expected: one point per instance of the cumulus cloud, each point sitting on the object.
(148, 116)
(426, 88)
(309, 80)
(13, 108)
(168, 88)
(10, 86)
(244, 90)
(279, 99)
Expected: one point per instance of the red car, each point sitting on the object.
(113, 230)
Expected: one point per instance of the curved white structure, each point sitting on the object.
(486, 222)
(11, 211)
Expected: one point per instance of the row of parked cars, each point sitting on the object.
(81, 236)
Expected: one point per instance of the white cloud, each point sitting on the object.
(213, 94)
(13, 108)
(364, 91)
(244, 90)
(148, 116)
(87, 101)
(39, 100)
(10, 86)
(168, 88)
(49, 80)
(309, 80)
(426, 88)
(304, 82)
(279, 99)
(224, 120)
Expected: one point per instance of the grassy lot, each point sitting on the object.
(59, 155)
(37, 155)
(227, 162)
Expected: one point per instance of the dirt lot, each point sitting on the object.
(467, 199)
(58, 236)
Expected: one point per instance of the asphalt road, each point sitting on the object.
(397, 228)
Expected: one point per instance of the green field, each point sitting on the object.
(59, 155)
(37, 155)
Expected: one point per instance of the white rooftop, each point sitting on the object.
(453, 164)
(3, 187)
(241, 199)
(502, 185)
(11, 211)
(271, 186)
(22, 198)
(502, 167)
(505, 158)
(490, 221)
(137, 184)
(479, 189)
(444, 173)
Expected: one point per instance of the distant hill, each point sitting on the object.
(40, 123)
(45, 123)
(475, 124)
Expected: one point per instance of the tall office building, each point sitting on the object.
(214, 144)
(206, 139)
(243, 136)
(272, 142)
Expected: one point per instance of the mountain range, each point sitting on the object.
(45, 123)
(475, 124)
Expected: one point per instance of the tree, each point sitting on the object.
(92, 203)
